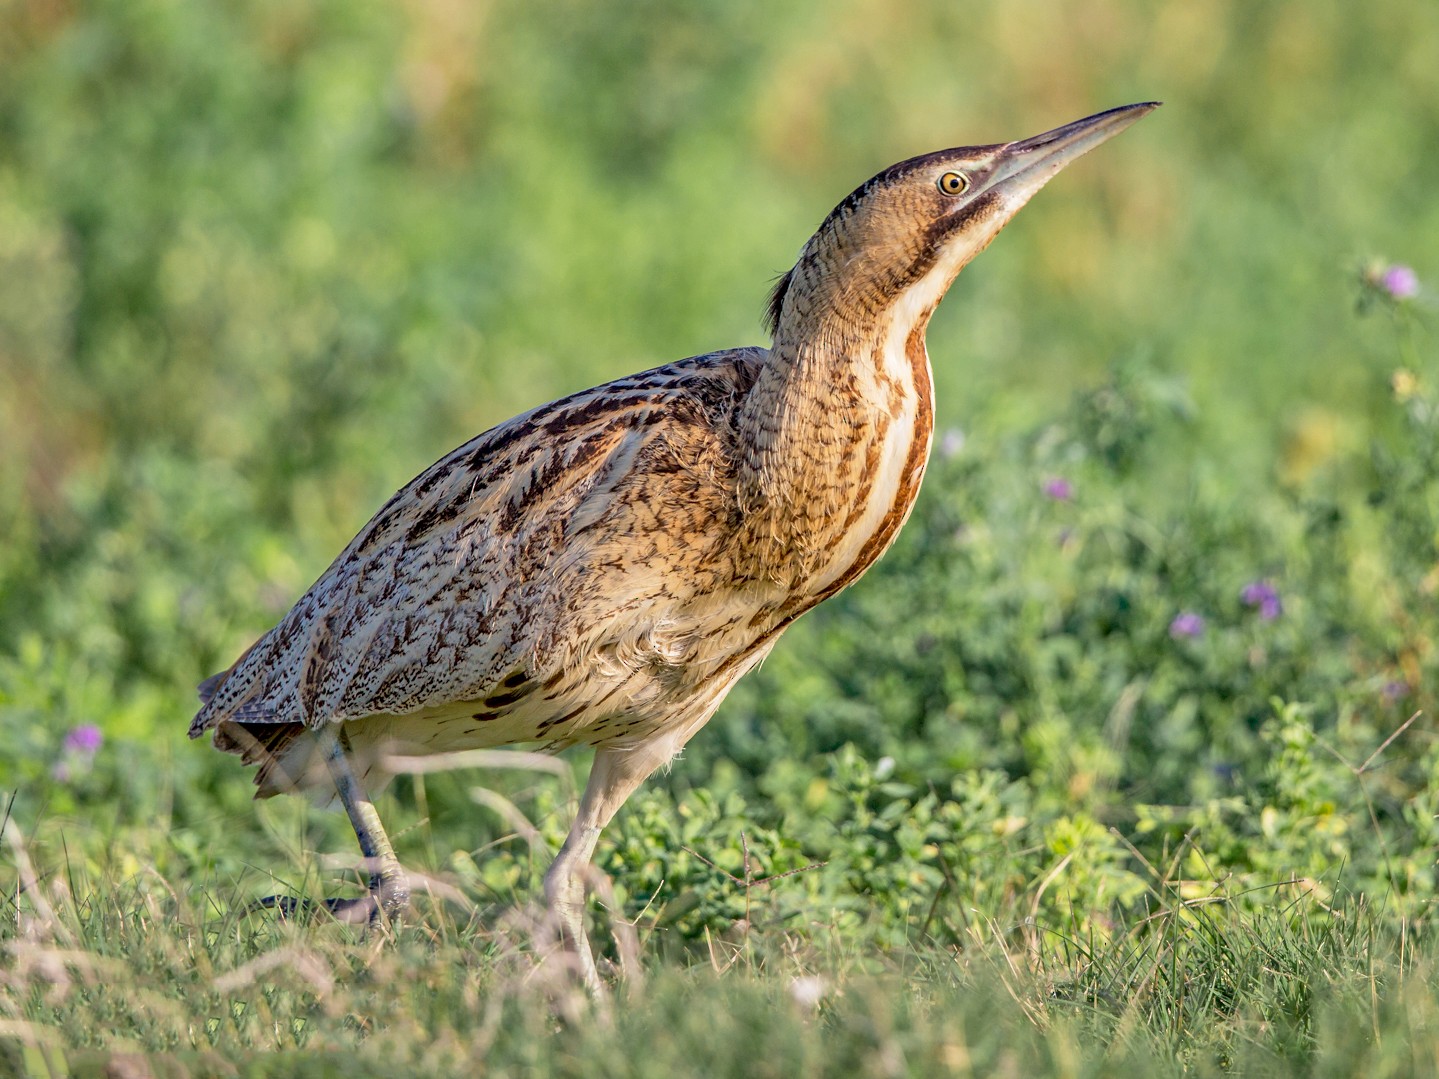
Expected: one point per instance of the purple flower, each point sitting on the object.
(1400, 281)
(85, 739)
(1186, 624)
(1395, 691)
(1262, 594)
(1061, 490)
(951, 443)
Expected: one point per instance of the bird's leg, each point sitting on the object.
(615, 775)
(389, 888)
(565, 894)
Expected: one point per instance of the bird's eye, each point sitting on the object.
(953, 183)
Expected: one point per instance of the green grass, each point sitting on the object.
(991, 812)
(139, 966)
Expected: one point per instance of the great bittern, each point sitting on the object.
(601, 570)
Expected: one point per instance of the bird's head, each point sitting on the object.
(898, 240)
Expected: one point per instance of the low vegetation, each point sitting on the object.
(1123, 761)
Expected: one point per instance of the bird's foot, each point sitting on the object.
(574, 946)
(386, 902)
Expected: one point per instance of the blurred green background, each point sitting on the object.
(262, 262)
(1122, 715)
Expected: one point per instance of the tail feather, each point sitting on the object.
(209, 686)
(245, 710)
(284, 752)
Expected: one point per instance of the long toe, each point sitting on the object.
(386, 903)
(354, 911)
(284, 905)
(362, 910)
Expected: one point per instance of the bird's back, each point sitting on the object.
(568, 576)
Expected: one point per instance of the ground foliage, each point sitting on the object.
(1122, 758)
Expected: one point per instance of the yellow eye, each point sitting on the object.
(953, 183)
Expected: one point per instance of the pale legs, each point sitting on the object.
(614, 777)
(389, 887)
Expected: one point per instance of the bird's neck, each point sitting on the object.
(834, 437)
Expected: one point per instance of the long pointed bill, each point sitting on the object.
(1027, 165)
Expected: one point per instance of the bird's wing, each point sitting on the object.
(445, 595)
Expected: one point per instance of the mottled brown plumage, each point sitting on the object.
(599, 571)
